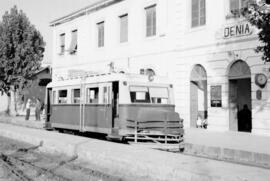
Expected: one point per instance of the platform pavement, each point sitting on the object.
(240, 147)
(132, 162)
(20, 120)
(236, 147)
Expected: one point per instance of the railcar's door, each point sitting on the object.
(115, 102)
(105, 109)
(48, 106)
(82, 107)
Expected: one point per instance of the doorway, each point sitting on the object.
(198, 95)
(115, 102)
(240, 104)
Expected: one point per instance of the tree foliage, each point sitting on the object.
(21, 50)
(259, 15)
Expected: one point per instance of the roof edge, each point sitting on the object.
(84, 11)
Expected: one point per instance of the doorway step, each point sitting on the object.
(237, 147)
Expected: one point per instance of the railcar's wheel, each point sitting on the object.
(181, 147)
(115, 138)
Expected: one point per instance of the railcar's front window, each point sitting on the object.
(139, 94)
(159, 95)
(154, 95)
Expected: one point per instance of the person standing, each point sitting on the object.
(27, 106)
(37, 109)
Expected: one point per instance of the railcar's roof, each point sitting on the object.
(110, 77)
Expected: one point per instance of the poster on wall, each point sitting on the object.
(215, 93)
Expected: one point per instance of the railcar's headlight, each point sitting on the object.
(151, 78)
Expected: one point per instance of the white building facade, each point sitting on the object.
(217, 70)
(206, 50)
(132, 35)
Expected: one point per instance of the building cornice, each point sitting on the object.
(84, 11)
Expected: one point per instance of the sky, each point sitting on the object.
(41, 13)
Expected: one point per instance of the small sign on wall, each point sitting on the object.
(216, 98)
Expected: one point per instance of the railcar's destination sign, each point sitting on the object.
(237, 30)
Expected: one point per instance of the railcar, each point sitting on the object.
(138, 108)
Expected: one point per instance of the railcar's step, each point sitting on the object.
(164, 147)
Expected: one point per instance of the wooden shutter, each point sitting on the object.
(150, 21)
(100, 34)
(195, 13)
(73, 44)
(202, 13)
(124, 28)
(234, 5)
(62, 43)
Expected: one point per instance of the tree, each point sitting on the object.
(21, 51)
(258, 14)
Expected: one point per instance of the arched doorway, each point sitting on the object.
(240, 97)
(198, 94)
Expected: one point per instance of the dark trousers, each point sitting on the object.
(27, 114)
(37, 114)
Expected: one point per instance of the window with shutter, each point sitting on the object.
(62, 43)
(123, 28)
(198, 13)
(237, 5)
(150, 21)
(74, 45)
(100, 27)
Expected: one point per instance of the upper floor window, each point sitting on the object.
(236, 5)
(73, 45)
(123, 28)
(198, 15)
(100, 27)
(150, 21)
(62, 43)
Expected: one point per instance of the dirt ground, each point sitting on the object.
(21, 161)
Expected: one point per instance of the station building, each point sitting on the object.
(205, 48)
(217, 69)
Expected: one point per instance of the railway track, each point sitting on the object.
(23, 170)
(23, 162)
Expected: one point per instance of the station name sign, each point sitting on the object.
(237, 30)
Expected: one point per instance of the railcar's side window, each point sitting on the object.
(92, 95)
(76, 93)
(139, 94)
(62, 96)
(106, 95)
(54, 97)
(159, 95)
